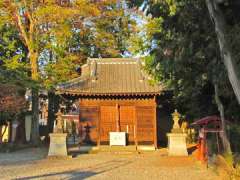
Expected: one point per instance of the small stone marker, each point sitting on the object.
(177, 145)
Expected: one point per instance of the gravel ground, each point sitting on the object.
(33, 164)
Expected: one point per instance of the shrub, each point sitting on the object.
(234, 137)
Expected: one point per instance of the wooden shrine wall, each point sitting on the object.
(145, 125)
(128, 122)
(136, 116)
(107, 122)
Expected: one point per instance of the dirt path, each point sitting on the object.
(31, 164)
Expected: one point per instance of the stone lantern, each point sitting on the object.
(58, 125)
(176, 118)
(177, 145)
(58, 139)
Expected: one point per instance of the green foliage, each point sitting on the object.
(4, 117)
(229, 159)
(180, 55)
(234, 137)
(184, 55)
(61, 71)
(14, 69)
(63, 35)
(134, 3)
(12, 50)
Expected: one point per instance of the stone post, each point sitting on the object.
(28, 125)
(14, 131)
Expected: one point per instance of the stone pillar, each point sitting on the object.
(58, 145)
(177, 145)
(14, 131)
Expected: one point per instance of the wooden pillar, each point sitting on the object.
(155, 123)
(117, 118)
(135, 128)
(99, 126)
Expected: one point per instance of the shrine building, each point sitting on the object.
(115, 95)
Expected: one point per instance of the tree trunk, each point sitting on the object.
(33, 56)
(51, 110)
(226, 143)
(1, 134)
(35, 138)
(226, 53)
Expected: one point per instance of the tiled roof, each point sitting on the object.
(110, 76)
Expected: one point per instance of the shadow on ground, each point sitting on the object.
(23, 156)
(83, 173)
(71, 175)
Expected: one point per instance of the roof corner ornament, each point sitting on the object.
(142, 76)
(94, 70)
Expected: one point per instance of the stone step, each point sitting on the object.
(76, 149)
(117, 148)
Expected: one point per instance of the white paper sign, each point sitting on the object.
(117, 138)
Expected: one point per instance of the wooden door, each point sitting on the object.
(107, 122)
(127, 121)
(145, 125)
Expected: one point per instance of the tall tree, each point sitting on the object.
(224, 44)
(36, 22)
(186, 57)
(60, 35)
(105, 35)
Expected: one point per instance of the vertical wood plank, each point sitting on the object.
(135, 127)
(108, 121)
(127, 121)
(117, 118)
(99, 126)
